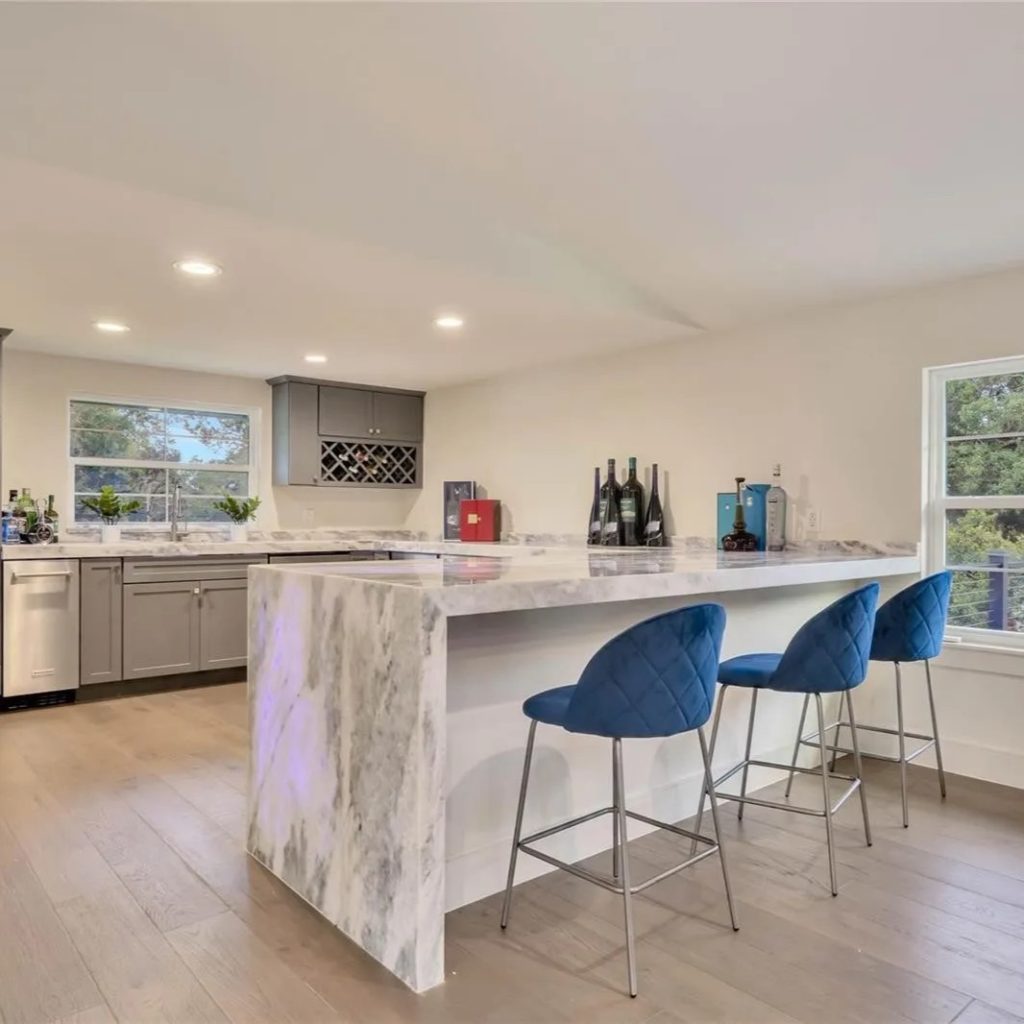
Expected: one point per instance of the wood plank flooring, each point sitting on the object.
(126, 895)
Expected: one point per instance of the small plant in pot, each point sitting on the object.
(239, 512)
(110, 508)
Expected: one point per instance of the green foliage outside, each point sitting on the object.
(985, 465)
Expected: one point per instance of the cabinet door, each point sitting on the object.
(397, 417)
(346, 412)
(223, 634)
(161, 629)
(296, 447)
(101, 620)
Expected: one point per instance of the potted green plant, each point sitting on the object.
(239, 512)
(110, 508)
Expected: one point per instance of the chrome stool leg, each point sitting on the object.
(616, 804)
(746, 753)
(858, 768)
(823, 744)
(711, 757)
(935, 729)
(627, 904)
(796, 746)
(710, 783)
(903, 746)
(507, 904)
(839, 728)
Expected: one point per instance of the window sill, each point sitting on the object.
(992, 658)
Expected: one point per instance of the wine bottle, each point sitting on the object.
(776, 506)
(596, 511)
(741, 539)
(654, 528)
(631, 508)
(611, 519)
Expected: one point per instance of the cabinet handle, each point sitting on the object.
(37, 575)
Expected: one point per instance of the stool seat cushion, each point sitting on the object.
(749, 670)
(549, 706)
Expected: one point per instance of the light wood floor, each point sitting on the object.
(125, 895)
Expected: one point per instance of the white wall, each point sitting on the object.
(36, 389)
(834, 395)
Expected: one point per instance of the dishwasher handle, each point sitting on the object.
(15, 575)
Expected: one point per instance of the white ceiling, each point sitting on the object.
(572, 178)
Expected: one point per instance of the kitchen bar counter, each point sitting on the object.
(386, 731)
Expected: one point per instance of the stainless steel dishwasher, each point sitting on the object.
(41, 628)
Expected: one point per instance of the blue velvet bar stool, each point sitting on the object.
(908, 627)
(654, 680)
(828, 654)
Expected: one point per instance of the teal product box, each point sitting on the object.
(755, 511)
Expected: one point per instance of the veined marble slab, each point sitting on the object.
(347, 702)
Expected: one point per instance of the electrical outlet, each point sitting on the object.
(308, 517)
(813, 521)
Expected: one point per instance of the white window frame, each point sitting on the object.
(937, 503)
(252, 467)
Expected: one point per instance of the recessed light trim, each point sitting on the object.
(111, 327)
(315, 358)
(198, 268)
(449, 322)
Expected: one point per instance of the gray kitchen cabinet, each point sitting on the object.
(397, 417)
(101, 607)
(348, 435)
(223, 615)
(161, 629)
(296, 441)
(346, 412)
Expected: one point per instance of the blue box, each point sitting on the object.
(755, 511)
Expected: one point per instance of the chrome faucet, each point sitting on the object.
(176, 533)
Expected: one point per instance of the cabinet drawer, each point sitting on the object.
(203, 567)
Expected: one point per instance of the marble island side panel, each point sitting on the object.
(347, 760)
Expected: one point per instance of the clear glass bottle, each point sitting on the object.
(776, 513)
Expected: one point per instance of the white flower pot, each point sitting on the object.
(239, 531)
(110, 534)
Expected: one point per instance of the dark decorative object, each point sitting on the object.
(654, 524)
(455, 492)
(740, 539)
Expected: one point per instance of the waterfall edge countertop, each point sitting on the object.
(350, 670)
(514, 579)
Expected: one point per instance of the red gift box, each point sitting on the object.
(480, 519)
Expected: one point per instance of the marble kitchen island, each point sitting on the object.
(386, 731)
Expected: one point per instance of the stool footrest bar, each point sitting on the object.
(555, 829)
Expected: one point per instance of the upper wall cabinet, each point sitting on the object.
(345, 435)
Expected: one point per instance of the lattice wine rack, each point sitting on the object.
(371, 463)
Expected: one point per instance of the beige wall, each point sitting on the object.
(834, 395)
(36, 389)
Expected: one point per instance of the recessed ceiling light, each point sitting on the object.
(316, 359)
(449, 322)
(197, 268)
(111, 326)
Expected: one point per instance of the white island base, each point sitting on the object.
(388, 736)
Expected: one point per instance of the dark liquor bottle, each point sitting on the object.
(611, 519)
(594, 526)
(631, 508)
(615, 485)
(654, 524)
(740, 539)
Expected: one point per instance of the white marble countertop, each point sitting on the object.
(510, 578)
(325, 544)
